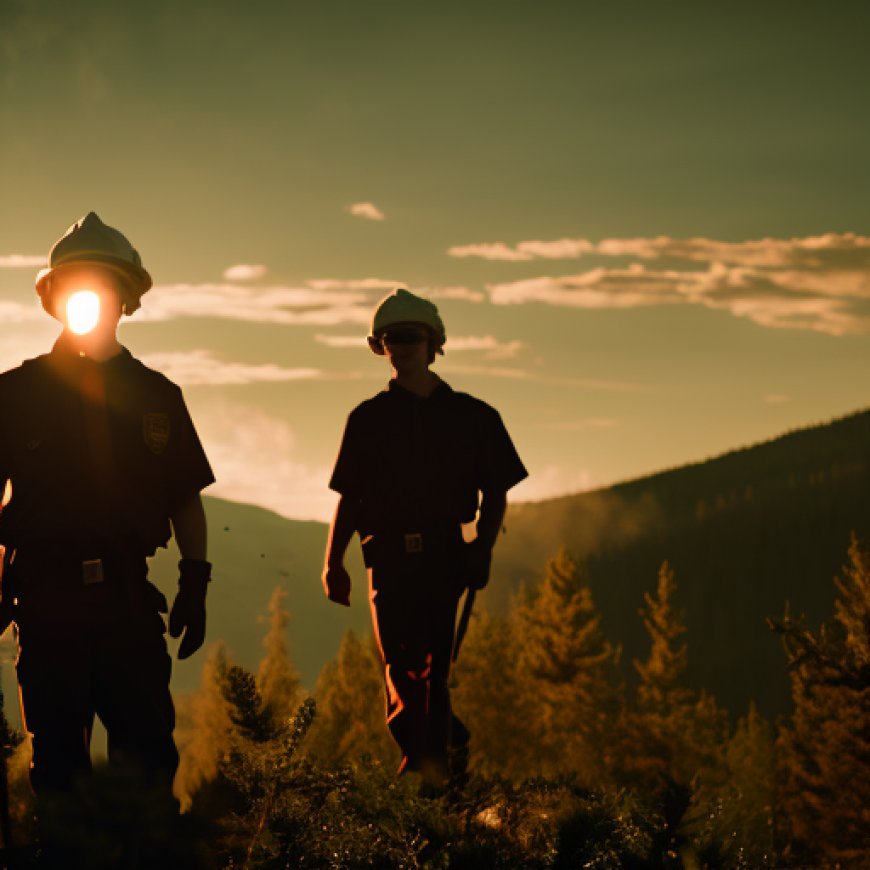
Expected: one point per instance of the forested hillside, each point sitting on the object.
(744, 533)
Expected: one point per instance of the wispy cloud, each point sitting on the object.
(462, 294)
(342, 341)
(354, 284)
(488, 345)
(383, 286)
(16, 313)
(823, 300)
(255, 460)
(598, 288)
(201, 367)
(829, 249)
(21, 261)
(776, 399)
(320, 302)
(367, 210)
(245, 272)
(488, 251)
(515, 373)
(282, 305)
(820, 283)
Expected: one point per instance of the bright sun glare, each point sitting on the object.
(83, 311)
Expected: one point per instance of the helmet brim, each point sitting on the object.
(135, 280)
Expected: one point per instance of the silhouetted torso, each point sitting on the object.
(99, 454)
(418, 462)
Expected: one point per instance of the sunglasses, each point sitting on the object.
(396, 337)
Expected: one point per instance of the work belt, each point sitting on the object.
(426, 541)
(80, 568)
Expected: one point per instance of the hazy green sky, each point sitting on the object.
(699, 176)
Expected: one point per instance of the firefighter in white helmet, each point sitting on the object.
(416, 462)
(102, 465)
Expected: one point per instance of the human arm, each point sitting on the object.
(478, 553)
(188, 609)
(336, 580)
(189, 528)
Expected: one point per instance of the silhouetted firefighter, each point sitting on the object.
(101, 463)
(412, 466)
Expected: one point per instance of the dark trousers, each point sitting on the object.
(413, 603)
(95, 650)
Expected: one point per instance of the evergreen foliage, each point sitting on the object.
(660, 689)
(732, 818)
(568, 768)
(749, 530)
(277, 677)
(569, 668)
(824, 750)
(673, 734)
(495, 701)
(350, 705)
(202, 732)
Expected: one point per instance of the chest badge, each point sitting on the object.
(155, 429)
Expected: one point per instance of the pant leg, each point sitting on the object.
(413, 615)
(131, 691)
(56, 698)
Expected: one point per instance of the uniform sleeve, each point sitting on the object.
(500, 466)
(189, 471)
(347, 474)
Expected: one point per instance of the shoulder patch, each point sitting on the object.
(156, 431)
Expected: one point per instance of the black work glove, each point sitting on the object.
(188, 609)
(476, 561)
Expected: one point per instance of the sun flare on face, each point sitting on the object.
(83, 311)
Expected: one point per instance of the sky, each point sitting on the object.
(647, 226)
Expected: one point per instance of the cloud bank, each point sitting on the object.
(820, 283)
(22, 261)
(201, 367)
(281, 305)
(807, 252)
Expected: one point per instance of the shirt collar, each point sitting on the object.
(442, 390)
(64, 352)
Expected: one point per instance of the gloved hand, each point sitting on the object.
(188, 609)
(336, 584)
(476, 561)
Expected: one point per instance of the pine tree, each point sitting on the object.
(350, 707)
(824, 751)
(203, 730)
(569, 667)
(674, 733)
(493, 701)
(734, 816)
(660, 674)
(277, 677)
(209, 721)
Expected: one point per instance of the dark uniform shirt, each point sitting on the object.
(99, 455)
(415, 462)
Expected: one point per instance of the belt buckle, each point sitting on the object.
(92, 571)
(414, 543)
